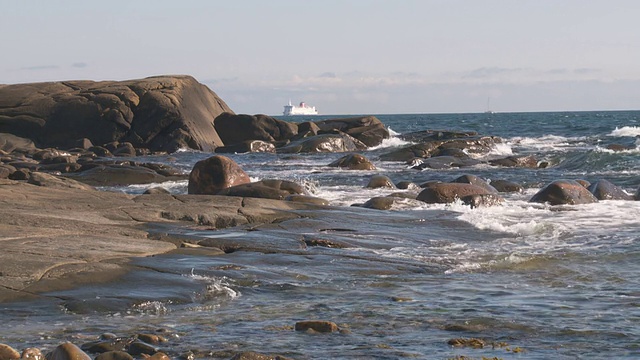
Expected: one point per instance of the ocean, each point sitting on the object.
(532, 281)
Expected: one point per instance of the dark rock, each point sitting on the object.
(379, 203)
(605, 190)
(156, 190)
(236, 129)
(423, 150)
(474, 180)
(249, 146)
(449, 192)
(408, 185)
(20, 174)
(306, 129)
(265, 189)
(32, 354)
(380, 181)
(67, 351)
(353, 162)
(100, 151)
(62, 168)
(317, 326)
(114, 355)
(151, 338)
(324, 143)
(505, 186)
(160, 113)
(216, 173)
(139, 347)
(524, 161)
(436, 135)
(564, 192)
(584, 183)
(367, 129)
(125, 149)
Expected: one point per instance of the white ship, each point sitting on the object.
(302, 109)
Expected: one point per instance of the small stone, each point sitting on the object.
(68, 351)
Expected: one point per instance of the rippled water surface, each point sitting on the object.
(532, 281)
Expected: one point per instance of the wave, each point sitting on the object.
(631, 131)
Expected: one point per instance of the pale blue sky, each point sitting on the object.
(343, 56)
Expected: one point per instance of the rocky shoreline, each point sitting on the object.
(58, 232)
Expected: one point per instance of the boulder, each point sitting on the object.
(605, 190)
(265, 189)
(32, 354)
(216, 173)
(353, 162)
(422, 150)
(367, 129)
(67, 351)
(505, 186)
(564, 192)
(379, 203)
(436, 193)
(162, 113)
(234, 129)
(6, 170)
(323, 143)
(125, 149)
(380, 181)
(249, 146)
(474, 180)
(450, 144)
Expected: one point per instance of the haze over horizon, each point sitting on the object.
(344, 57)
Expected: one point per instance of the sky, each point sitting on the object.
(342, 56)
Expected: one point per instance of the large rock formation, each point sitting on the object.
(160, 113)
(564, 192)
(235, 129)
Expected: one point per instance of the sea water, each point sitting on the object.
(533, 281)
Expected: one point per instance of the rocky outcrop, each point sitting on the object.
(324, 143)
(564, 192)
(235, 129)
(214, 174)
(367, 129)
(353, 162)
(430, 143)
(163, 113)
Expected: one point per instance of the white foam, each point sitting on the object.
(391, 142)
(216, 286)
(626, 131)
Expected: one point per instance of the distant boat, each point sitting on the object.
(302, 109)
(489, 111)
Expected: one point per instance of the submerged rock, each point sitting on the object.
(380, 181)
(353, 162)
(320, 326)
(505, 186)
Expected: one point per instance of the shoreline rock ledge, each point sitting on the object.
(161, 113)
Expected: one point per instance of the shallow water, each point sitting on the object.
(558, 282)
